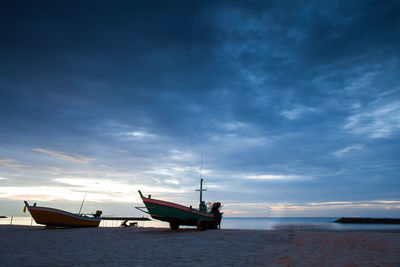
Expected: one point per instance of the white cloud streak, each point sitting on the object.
(14, 164)
(381, 122)
(63, 155)
(72, 189)
(296, 113)
(289, 209)
(347, 150)
(274, 177)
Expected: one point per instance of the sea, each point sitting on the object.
(255, 223)
(305, 223)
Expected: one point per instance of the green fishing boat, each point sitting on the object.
(178, 215)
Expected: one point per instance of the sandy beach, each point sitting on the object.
(35, 246)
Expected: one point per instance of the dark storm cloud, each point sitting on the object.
(124, 57)
(304, 92)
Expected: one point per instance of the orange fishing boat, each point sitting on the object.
(59, 218)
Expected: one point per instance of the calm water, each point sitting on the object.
(246, 223)
(300, 223)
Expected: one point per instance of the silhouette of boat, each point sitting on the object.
(59, 218)
(177, 214)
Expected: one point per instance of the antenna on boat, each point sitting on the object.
(84, 196)
(201, 167)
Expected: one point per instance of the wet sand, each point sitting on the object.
(35, 246)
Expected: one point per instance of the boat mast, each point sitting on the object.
(202, 205)
(82, 204)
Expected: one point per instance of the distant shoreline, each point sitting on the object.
(368, 220)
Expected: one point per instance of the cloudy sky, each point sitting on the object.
(294, 105)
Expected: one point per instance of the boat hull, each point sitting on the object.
(178, 214)
(60, 218)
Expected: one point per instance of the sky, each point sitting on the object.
(286, 108)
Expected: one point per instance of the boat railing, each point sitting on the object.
(142, 209)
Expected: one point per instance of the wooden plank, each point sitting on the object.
(125, 218)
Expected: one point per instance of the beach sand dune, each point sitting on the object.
(35, 246)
